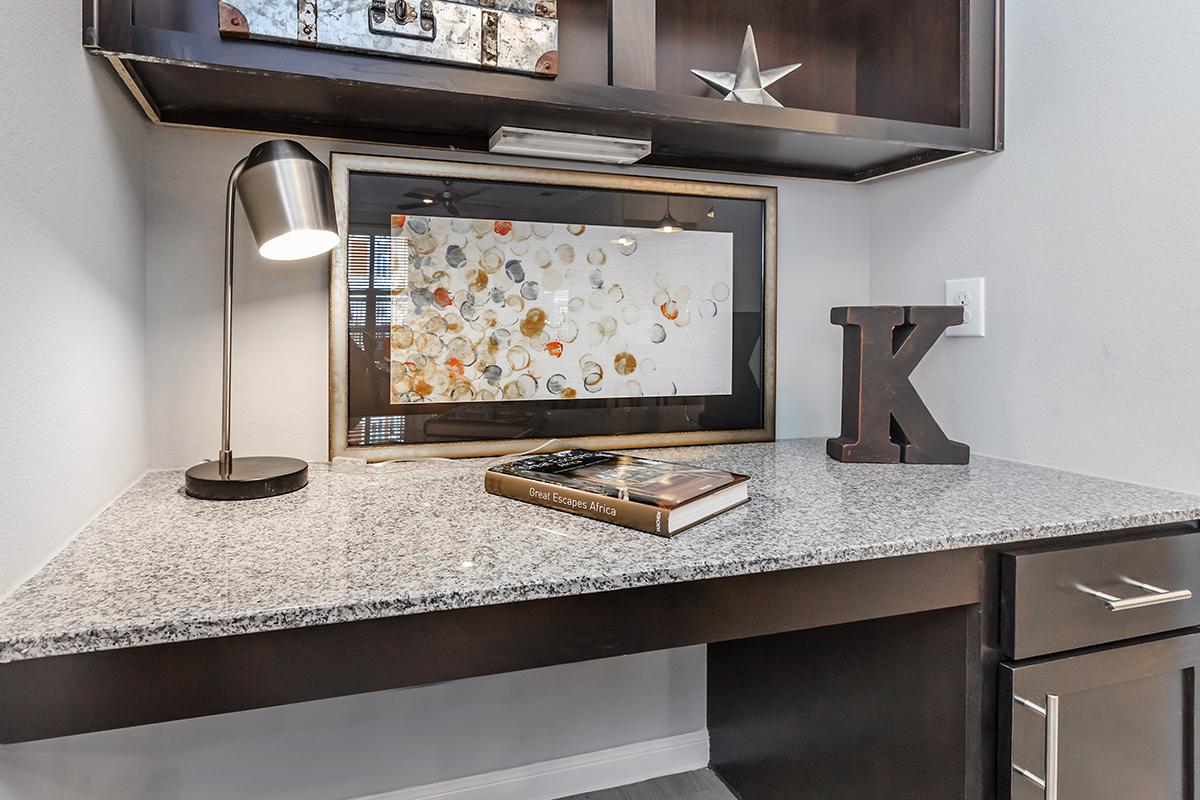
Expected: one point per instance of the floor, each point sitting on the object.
(699, 785)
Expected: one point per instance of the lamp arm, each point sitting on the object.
(225, 460)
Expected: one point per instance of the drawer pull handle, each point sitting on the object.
(1156, 596)
(1049, 784)
(1032, 706)
(1029, 776)
(1051, 747)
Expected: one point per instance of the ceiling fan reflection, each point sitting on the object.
(446, 198)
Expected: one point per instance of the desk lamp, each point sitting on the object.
(288, 200)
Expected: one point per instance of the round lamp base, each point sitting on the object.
(251, 478)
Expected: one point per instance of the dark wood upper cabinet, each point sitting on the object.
(887, 85)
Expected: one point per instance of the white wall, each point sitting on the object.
(356, 746)
(1088, 231)
(353, 746)
(72, 296)
(280, 391)
(280, 403)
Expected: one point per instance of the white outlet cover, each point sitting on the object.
(968, 293)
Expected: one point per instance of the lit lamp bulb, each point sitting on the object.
(298, 244)
(669, 224)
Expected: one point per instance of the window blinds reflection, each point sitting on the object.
(376, 268)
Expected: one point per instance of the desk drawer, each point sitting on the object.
(1069, 597)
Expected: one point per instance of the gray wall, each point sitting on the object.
(358, 746)
(281, 357)
(72, 296)
(1088, 231)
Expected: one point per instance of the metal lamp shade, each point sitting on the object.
(669, 224)
(288, 200)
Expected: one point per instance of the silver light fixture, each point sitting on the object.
(288, 200)
(668, 224)
(572, 146)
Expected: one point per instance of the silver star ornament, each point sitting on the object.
(749, 84)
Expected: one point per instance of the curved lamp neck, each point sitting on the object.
(226, 456)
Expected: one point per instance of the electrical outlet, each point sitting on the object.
(968, 293)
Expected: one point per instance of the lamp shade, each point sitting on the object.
(668, 224)
(288, 200)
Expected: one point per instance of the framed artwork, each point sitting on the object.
(480, 310)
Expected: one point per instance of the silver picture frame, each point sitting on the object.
(343, 165)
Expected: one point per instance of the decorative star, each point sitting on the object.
(749, 84)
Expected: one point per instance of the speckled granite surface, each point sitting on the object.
(159, 566)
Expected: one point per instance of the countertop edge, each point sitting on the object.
(182, 630)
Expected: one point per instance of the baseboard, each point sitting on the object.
(563, 777)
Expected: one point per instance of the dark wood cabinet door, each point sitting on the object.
(1110, 724)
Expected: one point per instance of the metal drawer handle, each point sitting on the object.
(1049, 784)
(1156, 596)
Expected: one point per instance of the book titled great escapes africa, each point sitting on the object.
(652, 496)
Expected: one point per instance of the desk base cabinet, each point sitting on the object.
(876, 709)
(1110, 724)
(872, 679)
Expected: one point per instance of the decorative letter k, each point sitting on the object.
(884, 420)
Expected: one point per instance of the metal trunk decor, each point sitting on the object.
(508, 35)
(884, 420)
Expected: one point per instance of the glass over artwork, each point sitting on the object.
(497, 309)
(483, 310)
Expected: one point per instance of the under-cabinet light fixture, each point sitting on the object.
(573, 146)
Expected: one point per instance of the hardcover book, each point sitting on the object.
(653, 496)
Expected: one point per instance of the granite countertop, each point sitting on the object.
(159, 566)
